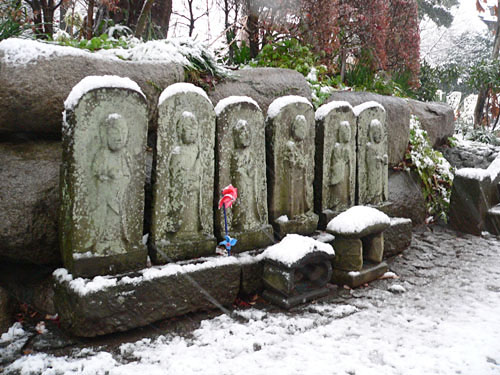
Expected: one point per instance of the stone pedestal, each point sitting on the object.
(397, 237)
(348, 254)
(182, 214)
(102, 177)
(290, 137)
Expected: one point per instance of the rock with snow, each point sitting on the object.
(290, 143)
(359, 221)
(397, 237)
(102, 184)
(335, 160)
(263, 85)
(398, 119)
(102, 305)
(437, 119)
(182, 214)
(38, 77)
(241, 162)
(372, 159)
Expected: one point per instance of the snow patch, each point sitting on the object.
(356, 219)
(282, 219)
(362, 107)
(278, 104)
(400, 221)
(96, 82)
(324, 237)
(494, 168)
(230, 100)
(181, 88)
(396, 288)
(294, 247)
(325, 109)
(473, 173)
(15, 331)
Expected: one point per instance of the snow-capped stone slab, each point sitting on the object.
(102, 185)
(241, 161)
(367, 105)
(359, 221)
(278, 104)
(290, 139)
(474, 173)
(98, 82)
(335, 160)
(182, 215)
(291, 249)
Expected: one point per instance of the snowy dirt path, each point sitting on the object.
(440, 317)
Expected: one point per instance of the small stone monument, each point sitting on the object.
(241, 161)
(102, 177)
(335, 160)
(290, 165)
(359, 245)
(296, 270)
(372, 160)
(182, 215)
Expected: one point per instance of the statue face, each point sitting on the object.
(242, 134)
(375, 131)
(116, 133)
(188, 125)
(344, 132)
(299, 128)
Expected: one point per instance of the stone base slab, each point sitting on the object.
(250, 240)
(305, 225)
(181, 249)
(397, 237)
(90, 266)
(291, 301)
(93, 307)
(354, 279)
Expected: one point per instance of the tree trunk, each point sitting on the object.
(253, 34)
(162, 10)
(483, 92)
(90, 19)
(143, 17)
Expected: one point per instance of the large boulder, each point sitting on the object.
(29, 202)
(437, 120)
(5, 310)
(262, 85)
(406, 197)
(33, 89)
(398, 119)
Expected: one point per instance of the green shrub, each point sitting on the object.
(434, 170)
(13, 19)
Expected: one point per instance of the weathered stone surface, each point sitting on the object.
(132, 303)
(372, 159)
(398, 119)
(373, 247)
(242, 163)
(182, 218)
(335, 160)
(290, 136)
(405, 197)
(251, 277)
(32, 94)
(493, 220)
(102, 180)
(263, 85)
(397, 237)
(348, 254)
(5, 310)
(469, 203)
(354, 279)
(437, 120)
(358, 222)
(479, 156)
(29, 202)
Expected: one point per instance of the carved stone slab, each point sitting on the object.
(290, 132)
(182, 214)
(335, 160)
(241, 161)
(373, 178)
(102, 177)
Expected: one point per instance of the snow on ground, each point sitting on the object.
(449, 326)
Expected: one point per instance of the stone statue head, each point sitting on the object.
(116, 132)
(299, 128)
(375, 131)
(186, 127)
(344, 132)
(241, 134)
